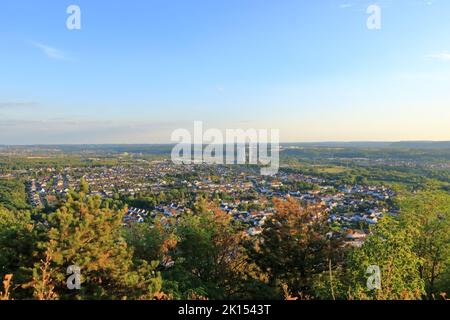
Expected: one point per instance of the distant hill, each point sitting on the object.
(370, 144)
(335, 144)
(166, 148)
(422, 144)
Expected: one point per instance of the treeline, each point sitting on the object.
(56, 162)
(395, 153)
(206, 255)
(338, 173)
(12, 194)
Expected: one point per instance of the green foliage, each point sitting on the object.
(209, 259)
(390, 247)
(18, 240)
(151, 241)
(293, 248)
(427, 215)
(84, 186)
(81, 233)
(13, 195)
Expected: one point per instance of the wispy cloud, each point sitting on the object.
(345, 5)
(441, 56)
(15, 104)
(50, 52)
(82, 130)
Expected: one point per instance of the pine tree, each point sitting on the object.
(81, 233)
(294, 248)
(210, 259)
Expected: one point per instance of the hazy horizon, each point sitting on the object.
(325, 143)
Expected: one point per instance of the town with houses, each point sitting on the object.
(240, 190)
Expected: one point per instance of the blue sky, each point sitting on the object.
(139, 69)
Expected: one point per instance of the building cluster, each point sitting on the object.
(240, 190)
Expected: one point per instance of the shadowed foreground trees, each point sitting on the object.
(210, 259)
(81, 234)
(296, 247)
(207, 254)
(19, 237)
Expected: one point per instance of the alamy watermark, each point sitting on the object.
(250, 146)
(374, 279)
(73, 281)
(73, 22)
(374, 20)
